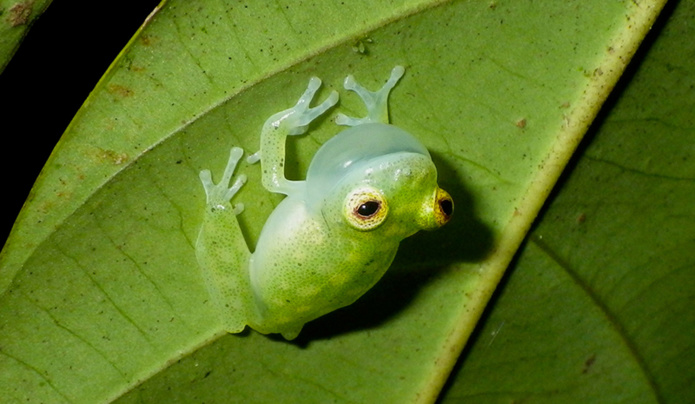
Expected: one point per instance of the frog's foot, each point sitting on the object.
(297, 119)
(291, 334)
(376, 101)
(219, 195)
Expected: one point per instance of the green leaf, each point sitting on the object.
(16, 16)
(599, 304)
(102, 294)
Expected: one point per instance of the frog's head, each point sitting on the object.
(398, 191)
(377, 178)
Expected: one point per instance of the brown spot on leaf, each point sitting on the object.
(581, 218)
(19, 13)
(112, 156)
(588, 363)
(148, 40)
(118, 89)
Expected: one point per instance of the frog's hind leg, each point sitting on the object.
(221, 249)
(375, 101)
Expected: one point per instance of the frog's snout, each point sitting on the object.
(444, 207)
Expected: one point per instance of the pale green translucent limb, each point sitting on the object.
(219, 194)
(221, 249)
(290, 122)
(375, 101)
(290, 335)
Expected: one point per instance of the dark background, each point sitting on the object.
(62, 58)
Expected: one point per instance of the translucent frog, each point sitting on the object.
(335, 234)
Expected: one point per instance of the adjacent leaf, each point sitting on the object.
(102, 291)
(599, 306)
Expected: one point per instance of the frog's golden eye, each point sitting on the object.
(365, 208)
(444, 208)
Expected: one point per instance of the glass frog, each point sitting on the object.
(335, 234)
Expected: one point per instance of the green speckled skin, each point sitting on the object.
(335, 234)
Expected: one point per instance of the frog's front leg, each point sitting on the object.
(292, 121)
(221, 249)
(375, 101)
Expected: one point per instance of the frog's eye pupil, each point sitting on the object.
(368, 208)
(447, 207)
(365, 208)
